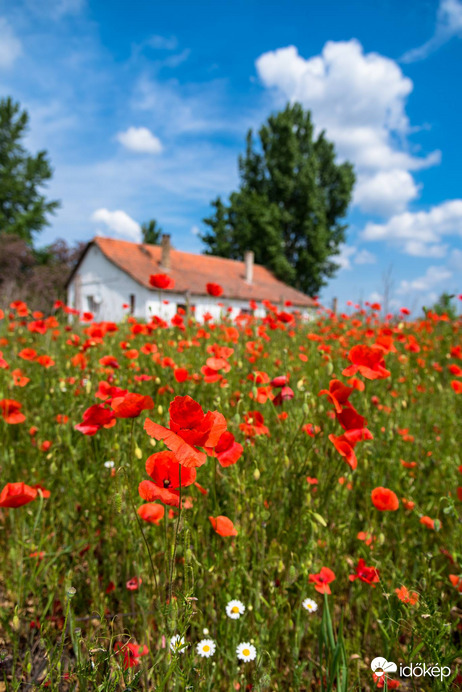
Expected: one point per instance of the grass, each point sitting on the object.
(67, 615)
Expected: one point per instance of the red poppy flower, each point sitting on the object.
(131, 653)
(456, 581)
(11, 411)
(369, 575)
(227, 450)
(28, 354)
(322, 580)
(430, 523)
(162, 281)
(368, 360)
(214, 290)
(345, 449)
(384, 500)
(223, 526)
(457, 386)
(254, 424)
(131, 405)
(164, 469)
(134, 583)
(94, 418)
(406, 596)
(189, 428)
(180, 374)
(151, 512)
(279, 381)
(285, 394)
(338, 393)
(17, 495)
(350, 419)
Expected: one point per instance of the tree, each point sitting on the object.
(36, 276)
(445, 306)
(151, 232)
(290, 203)
(23, 208)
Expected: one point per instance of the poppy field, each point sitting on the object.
(250, 504)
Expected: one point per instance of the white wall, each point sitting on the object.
(111, 287)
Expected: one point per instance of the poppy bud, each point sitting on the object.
(118, 503)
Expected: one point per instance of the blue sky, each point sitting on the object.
(144, 108)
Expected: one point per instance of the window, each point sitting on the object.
(132, 303)
(92, 305)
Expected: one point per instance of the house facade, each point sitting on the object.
(111, 279)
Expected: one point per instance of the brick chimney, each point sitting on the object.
(166, 247)
(248, 259)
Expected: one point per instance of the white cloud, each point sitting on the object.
(433, 276)
(360, 100)
(195, 230)
(10, 45)
(141, 140)
(365, 257)
(386, 192)
(420, 233)
(343, 259)
(119, 222)
(350, 253)
(448, 25)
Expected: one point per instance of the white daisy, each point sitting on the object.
(206, 648)
(178, 644)
(309, 605)
(246, 652)
(235, 609)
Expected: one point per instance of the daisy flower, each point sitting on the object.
(310, 605)
(246, 652)
(206, 648)
(235, 609)
(177, 644)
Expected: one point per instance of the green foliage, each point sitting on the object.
(85, 535)
(151, 232)
(23, 208)
(445, 306)
(290, 203)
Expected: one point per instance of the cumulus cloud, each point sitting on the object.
(386, 192)
(360, 100)
(448, 25)
(350, 254)
(420, 234)
(434, 276)
(141, 140)
(119, 223)
(10, 45)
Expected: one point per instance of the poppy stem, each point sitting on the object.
(153, 570)
(175, 542)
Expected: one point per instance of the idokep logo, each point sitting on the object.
(380, 666)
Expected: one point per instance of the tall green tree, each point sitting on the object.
(151, 232)
(24, 208)
(291, 203)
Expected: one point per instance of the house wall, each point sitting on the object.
(102, 288)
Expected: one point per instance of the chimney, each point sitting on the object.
(166, 247)
(248, 259)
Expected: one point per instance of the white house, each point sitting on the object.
(113, 273)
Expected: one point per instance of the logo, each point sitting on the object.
(380, 666)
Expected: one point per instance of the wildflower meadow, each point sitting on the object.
(246, 504)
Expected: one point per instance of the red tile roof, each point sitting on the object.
(192, 272)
